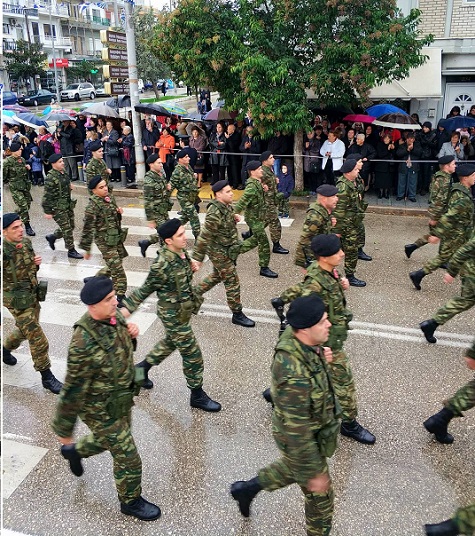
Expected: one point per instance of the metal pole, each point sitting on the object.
(54, 52)
(134, 94)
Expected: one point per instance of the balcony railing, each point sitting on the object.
(58, 41)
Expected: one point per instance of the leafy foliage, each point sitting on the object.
(82, 70)
(26, 61)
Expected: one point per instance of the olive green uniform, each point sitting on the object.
(271, 204)
(183, 180)
(364, 205)
(317, 221)
(98, 167)
(157, 200)
(15, 174)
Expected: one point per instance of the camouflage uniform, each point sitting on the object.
(271, 204)
(465, 519)
(327, 286)
(183, 180)
(16, 175)
(98, 167)
(219, 240)
(454, 228)
(305, 410)
(18, 263)
(252, 203)
(58, 203)
(364, 205)
(464, 398)
(317, 221)
(102, 224)
(100, 364)
(157, 200)
(171, 277)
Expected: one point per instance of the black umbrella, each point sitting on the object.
(151, 108)
(459, 121)
(121, 101)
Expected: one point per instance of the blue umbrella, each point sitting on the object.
(459, 121)
(32, 119)
(381, 109)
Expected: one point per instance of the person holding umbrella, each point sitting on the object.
(218, 158)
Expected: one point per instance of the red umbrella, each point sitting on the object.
(217, 114)
(16, 108)
(359, 118)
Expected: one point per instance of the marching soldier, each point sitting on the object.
(219, 240)
(97, 166)
(463, 522)
(99, 389)
(156, 192)
(171, 277)
(58, 205)
(22, 294)
(15, 173)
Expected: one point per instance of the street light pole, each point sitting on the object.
(54, 52)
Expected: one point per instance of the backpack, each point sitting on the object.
(46, 149)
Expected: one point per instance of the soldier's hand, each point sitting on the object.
(152, 224)
(265, 187)
(49, 216)
(37, 260)
(126, 313)
(237, 217)
(169, 186)
(120, 210)
(87, 256)
(448, 279)
(28, 166)
(109, 171)
(433, 239)
(327, 354)
(195, 265)
(470, 363)
(432, 222)
(319, 484)
(133, 329)
(304, 271)
(333, 220)
(345, 284)
(65, 440)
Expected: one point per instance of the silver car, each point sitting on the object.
(78, 91)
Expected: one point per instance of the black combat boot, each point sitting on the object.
(242, 320)
(409, 249)
(267, 396)
(120, 299)
(144, 244)
(277, 248)
(265, 271)
(446, 528)
(8, 358)
(354, 281)
(437, 425)
(70, 453)
(428, 327)
(244, 492)
(357, 432)
(29, 230)
(199, 399)
(417, 277)
(141, 509)
(50, 382)
(51, 239)
(73, 254)
(364, 256)
(246, 234)
(147, 384)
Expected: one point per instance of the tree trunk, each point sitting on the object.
(298, 160)
(156, 91)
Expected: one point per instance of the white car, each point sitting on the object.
(78, 91)
(101, 92)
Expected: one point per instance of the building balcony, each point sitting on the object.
(59, 42)
(8, 45)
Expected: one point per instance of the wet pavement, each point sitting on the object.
(190, 458)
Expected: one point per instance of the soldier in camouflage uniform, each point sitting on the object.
(318, 221)
(455, 227)
(156, 192)
(15, 173)
(171, 277)
(305, 418)
(219, 240)
(271, 202)
(97, 166)
(99, 389)
(440, 188)
(183, 180)
(323, 279)
(252, 203)
(21, 296)
(348, 217)
(58, 205)
(463, 522)
(102, 225)
(463, 262)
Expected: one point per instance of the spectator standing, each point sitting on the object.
(128, 154)
(150, 135)
(251, 148)
(233, 138)
(218, 158)
(165, 145)
(276, 146)
(36, 167)
(332, 151)
(428, 140)
(367, 152)
(382, 170)
(199, 142)
(91, 135)
(68, 138)
(285, 187)
(453, 147)
(312, 162)
(110, 138)
(408, 150)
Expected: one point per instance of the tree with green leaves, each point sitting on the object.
(82, 70)
(26, 61)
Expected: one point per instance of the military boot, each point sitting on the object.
(141, 509)
(51, 239)
(242, 320)
(267, 396)
(73, 254)
(354, 281)
(409, 249)
(70, 453)
(147, 384)
(417, 277)
(29, 230)
(8, 358)
(446, 528)
(120, 299)
(428, 327)
(200, 400)
(437, 425)
(246, 234)
(265, 271)
(244, 492)
(50, 382)
(144, 244)
(357, 432)
(364, 256)
(277, 248)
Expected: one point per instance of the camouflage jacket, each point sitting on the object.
(349, 207)
(16, 174)
(270, 180)
(457, 222)
(218, 233)
(57, 194)
(317, 221)
(440, 188)
(471, 351)
(463, 260)
(102, 223)
(360, 186)
(252, 202)
(90, 374)
(156, 195)
(304, 403)
(183, 180)
(97, 167)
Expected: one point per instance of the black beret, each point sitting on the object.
(95, 145)
(327, 190)
(94, 182)
(306, 311)
(446, 159)
(169, 228)
(265, 155)
(465, 170)
(252, 165)
(9, 218)
(325, 245)
(348, 165)
(153, 158)
(182, 154)
(55, 158)
(15, 146)
(354, 156)
(218, 186)
(96, 289)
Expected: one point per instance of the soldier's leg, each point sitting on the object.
(189, 214)
(230, 279)
(275, 227)
(457, 304)
(28, 328)
(208, 282)
(349, 243)
(446, 249)
(286, 206)
(319, 512)
(463, 399)
(344, 385)
(465, 519)
(66, 226)
(21, 205)
(276, 475)
(113, 261)
(422, 241)
(361, 234)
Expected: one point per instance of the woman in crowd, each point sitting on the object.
(382, 170)
(128, 153)
(453, 147)
(110, 138)
(199, 141)
(165, 146)
(218, 160)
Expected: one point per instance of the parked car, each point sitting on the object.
(101, 91)
(78, 91)
(9, 97)
(35, 97)
(147, 85)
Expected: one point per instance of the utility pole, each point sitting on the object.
(53, 37)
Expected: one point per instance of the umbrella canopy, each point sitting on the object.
(190, 126)
(220, 104)
(359, 118)
(16, 108)
(217, 114)
(121, 101)
(58, 110)
(100, 108)
(174, 109)
(30, 120)
(152, 108)
(9, 117)
(57, 116)
(380, 109)
(460, 121)
(397, 120)
(194, 116)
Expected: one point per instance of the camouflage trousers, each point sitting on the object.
(160, 220)
(259, 239)
(272, 218)
(361, 232)
(350, 244)
(458, 304)
(284, 203)
(422, 241)
(115, 436)
(22, 202)
(27, 327)
(464, 518)
(113, 258)
(343, 384)
(189, 214)
(463, 399)
(178, 336)
(65, 220)
(224, 270)
(446, 249)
